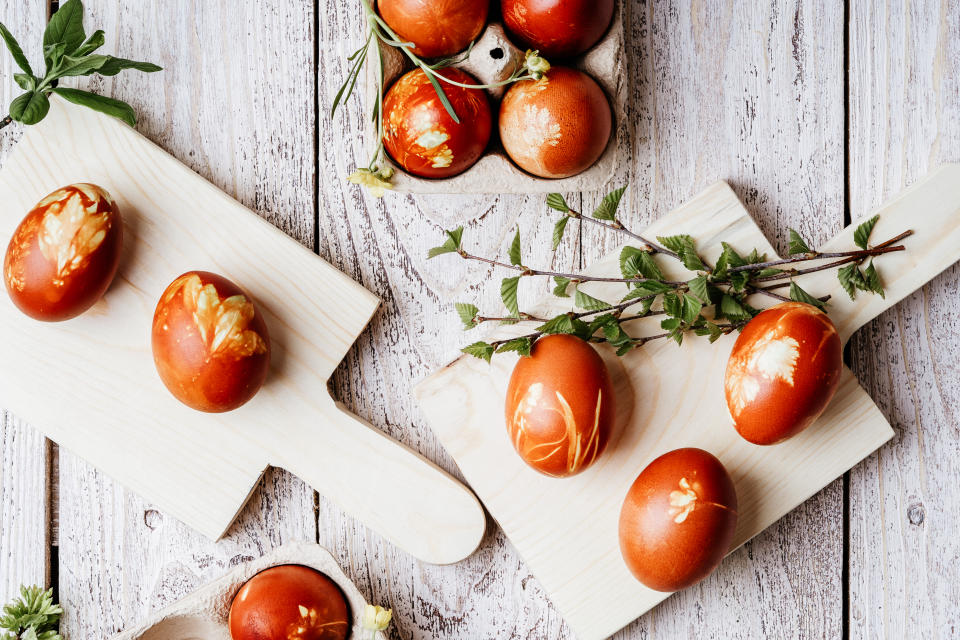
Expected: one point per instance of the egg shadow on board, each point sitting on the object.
(623, 391)
(277, 329)
(130, 220)
(748, 485)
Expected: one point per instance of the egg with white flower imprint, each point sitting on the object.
(782, 373)
(210, 343)
(64, 254)
(678, 519)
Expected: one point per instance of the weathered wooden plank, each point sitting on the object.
(234, 104)
(904, 108)
(751, 93)
(24, 452)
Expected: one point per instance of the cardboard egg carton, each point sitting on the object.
(492, 59)
(202, 615)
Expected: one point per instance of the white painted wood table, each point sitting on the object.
(815, 112)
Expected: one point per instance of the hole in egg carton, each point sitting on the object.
(492, 59)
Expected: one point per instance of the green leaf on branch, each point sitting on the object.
(684, 246)
(558, 230)
(556, 201)
(700, 288)
(588, 302)
(797, 244)
(732, 309)
(450, 245)
(851, 279)
(635, 263)
(690, 309)
(482, 350)
(561, 289)
(30, 108)
(66, 26)
(468, 314)
(521, 345)
(607, 210)
(862, 235)
(443, 98)
(566, 323)
(872, 279)
(113, 66)
(508, 291)
(672, 305)
(116, 108)
(15, 50)
(797, 294)
(514, 252)
(709, 329)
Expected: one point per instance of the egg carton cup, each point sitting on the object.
(492, 59)
(203, 614)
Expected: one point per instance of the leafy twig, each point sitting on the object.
(32, 616)
(67, 52)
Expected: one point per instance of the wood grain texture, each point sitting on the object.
(24, 452)
(904, 107)
(215, 107)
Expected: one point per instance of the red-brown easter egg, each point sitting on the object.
(64, 255)
(289, 602)
(678, 519)
(437, 27)
(557, 28)
(210, 344)
(783, 371)
(422, 137)
(560, 406)
(557, 126)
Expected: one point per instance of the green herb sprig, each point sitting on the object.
(713, 303)
(377, 177)
(67, 52)
(32, 616)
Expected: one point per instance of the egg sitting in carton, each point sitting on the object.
(518, 134)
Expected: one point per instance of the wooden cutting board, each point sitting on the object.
(670, 397)
(90, 384)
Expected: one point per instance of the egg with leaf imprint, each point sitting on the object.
(782, 372)
(678, 519)
(420, 134)
(64, 254)
(557, 126)
(210, 343)
(289, 602)
(436, 27)
(560, 406)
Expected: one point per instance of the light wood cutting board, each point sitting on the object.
(670, 397)
(90, 383)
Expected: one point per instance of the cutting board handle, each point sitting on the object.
(931, 209)
(406, 498)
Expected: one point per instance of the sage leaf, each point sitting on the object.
(561, 289)
(30, 108)
(468, 314)
(91, 44)
(514, 252)
(508, 292)
(26, 81)
(66, 26)
(799, 295)
(556, 201)
(607, 210)
(862, 235)
(15, 50)
(558, 230)
(588, 302)
(113, 66)
(116, 108)
(797, 243)
(52, 55)
(482, 350)
(73, 66)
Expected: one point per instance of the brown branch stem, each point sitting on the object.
(5, 121)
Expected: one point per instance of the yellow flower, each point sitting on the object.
(536, 64)
(378, 182)
(376, 618)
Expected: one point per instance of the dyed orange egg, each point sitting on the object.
(557, 28)
(421, 135)
(783, 371)
(560, 406)
(678, 519)
(210, 344)
(557, 126)
(436, 27)
(289, 602)
(64, 255)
